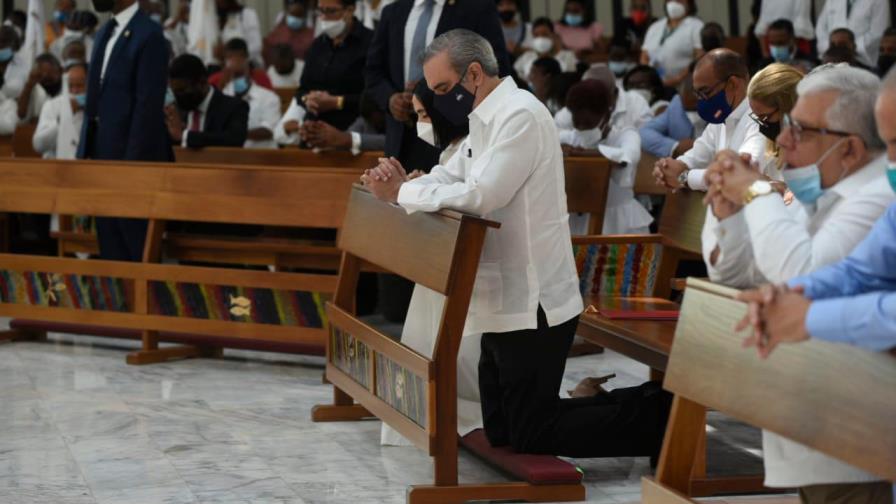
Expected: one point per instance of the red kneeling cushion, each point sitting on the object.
(534, 469)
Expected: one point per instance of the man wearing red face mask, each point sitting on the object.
(630, 31)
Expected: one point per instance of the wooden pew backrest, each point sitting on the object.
(587, 184)
(288, 157)
(239, 195)
(835, 398)
(286, 95)
(681, 222)
(22, 141)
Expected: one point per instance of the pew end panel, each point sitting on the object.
(587, 185)
(782, 394)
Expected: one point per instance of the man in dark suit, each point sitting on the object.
(393, 68)
(204, 116)
(393, 64)
(123, 117)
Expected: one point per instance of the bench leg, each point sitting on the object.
(495, 492)
(152, 354)
(343, 409)
(11, 335)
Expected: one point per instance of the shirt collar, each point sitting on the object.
(858, 180)
(418, 3)
(492, 103)
(124, 17)
(737, 114)
(203, 107)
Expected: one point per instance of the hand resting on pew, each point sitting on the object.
(385, 179)
(777, 314)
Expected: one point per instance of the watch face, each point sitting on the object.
(762, 187)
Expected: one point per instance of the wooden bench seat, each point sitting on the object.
(806, 392)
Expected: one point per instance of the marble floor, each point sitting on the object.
(79, 426)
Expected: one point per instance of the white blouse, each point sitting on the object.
(671, 51)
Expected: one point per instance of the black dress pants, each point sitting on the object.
(520, 374)
(121, 239)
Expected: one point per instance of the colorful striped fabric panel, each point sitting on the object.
(237, 304)
(618, 269)
(351, 356)
(401, 389)
(80, 292)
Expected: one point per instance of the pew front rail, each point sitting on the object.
(373, 375)
(286, 157)
(195, 302)
(834, 398)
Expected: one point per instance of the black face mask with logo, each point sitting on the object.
(456, 105)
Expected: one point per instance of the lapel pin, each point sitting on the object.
(127, 33)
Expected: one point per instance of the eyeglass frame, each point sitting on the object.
(703, 96)
(763, 120)
(795, 129)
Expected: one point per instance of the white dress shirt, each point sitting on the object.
(245, 25)
(738, 133)
(411, 26)
(176, 33)
(35, 104)
(868, 20)
(264, 112)
(15, 76)
(295, 112)
(797, 12)
(523, 64)
(202, 109)
(290, 80)
(510, 169)
(122, 19)
(58, 129)
(786, 242)
(671, 52)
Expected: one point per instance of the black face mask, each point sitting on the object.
(507, 16)
(188, 100)
(885, 62)
(104, 5)
(770, 130)
(456, 105)
(52, 87)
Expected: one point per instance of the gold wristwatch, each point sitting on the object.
(757, 189)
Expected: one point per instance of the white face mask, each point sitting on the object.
(542, 45)
(644, 93)
(332, 29)
(426, 133)
(676, 10)
(591, 138)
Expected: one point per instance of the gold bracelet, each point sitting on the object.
(340, 102)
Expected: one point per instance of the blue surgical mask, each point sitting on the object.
(805, 182)
(574, 19)
(294, 23)
(715, 109)
(6, 54)
(619, 68)
(169, 97)
(781, 54)
(891, 174)
(456, 105)
(240, 85)
(81, 99)
(60, 16)
(156, 17)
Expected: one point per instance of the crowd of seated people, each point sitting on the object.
(669, 88)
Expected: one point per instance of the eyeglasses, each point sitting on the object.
(329, 11)
(763, 119)
(789, 125)
(709, 93)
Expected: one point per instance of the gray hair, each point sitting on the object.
(464, 48)
(853, 110)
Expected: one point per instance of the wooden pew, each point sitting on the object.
(644, 181)
(373, 375)
(23, 141)
(286, 95)
(197, 304)
(288, 157)
(587, 183)
(834, 398)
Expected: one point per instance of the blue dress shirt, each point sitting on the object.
(660, 136)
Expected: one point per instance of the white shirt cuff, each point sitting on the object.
(183, 140)
(696, 180)
(356, 143)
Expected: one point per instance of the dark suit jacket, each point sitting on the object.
(384, 72)
(226, 123)
(124, 117)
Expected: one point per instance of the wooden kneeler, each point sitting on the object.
(834, 398)
(373, 375)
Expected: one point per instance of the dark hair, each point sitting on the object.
(48, 58)
(237, 45)
(549, 66)
(81, 65)
(188, 67)
(783, 25)
(588, 16)
(8, 34)
(656, 82)
(18, 18)
(284, 51)
(590, 95)
(559, 86)
(847, 31)
(889, 32)
(445, 131)
(543, 21)
(838, 54)
(726, 63)
(87, 18)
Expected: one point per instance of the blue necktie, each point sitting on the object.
(415, 69)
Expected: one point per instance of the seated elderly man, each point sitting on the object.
(837, 174)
